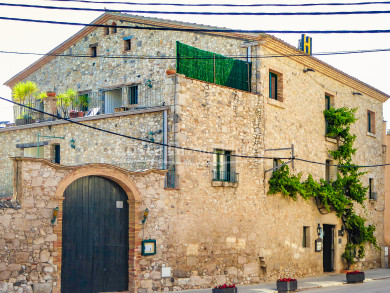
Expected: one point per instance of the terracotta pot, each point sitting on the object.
(171, 71)
(80, 114)
(73, 115)
(51, 94)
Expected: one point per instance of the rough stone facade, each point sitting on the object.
(208, 232)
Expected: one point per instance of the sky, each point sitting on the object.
(371, 68)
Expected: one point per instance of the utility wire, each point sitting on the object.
(316, 13)
(184, 148)
(195, 58)
(201, 30)
(225, 5)
(136, 138)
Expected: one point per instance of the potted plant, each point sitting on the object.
(355, 277)
(26, 93)
(170, 71)
(286, 285)
(225, 289)
(66, 101)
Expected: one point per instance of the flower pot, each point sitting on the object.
(355, 277)
(73, 115)
(171, 71)
(225, 290)
(51, 94)
(283, 286)
(80, 114)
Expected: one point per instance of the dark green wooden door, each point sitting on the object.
(328, 248)
(95, 237)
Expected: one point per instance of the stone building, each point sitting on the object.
(189, 153)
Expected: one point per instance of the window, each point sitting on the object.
(33, 152)
(371, 193)
(128, 45)
(371, 122)
(106, 30)
(276, 163)
(132, 94)
(222, 169)
(113, 28)
(306, 236)
(275, 86)
(330, 171)
(57, 154)
(328, 105)
(93, 50)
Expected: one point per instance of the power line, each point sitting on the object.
(203, 30)
(313, 13)
(135, 138)
(225, 5)
(195, 58)
(184, 148)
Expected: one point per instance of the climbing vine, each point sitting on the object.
(337, 195)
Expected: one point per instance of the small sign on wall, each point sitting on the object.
(148, 247)
(318, 245)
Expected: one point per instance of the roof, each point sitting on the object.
(269, 41)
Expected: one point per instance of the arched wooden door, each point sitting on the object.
(95, 237)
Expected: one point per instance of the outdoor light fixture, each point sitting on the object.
(342, 231)
(145, 216)
(55, 214)
(308, 69)
(72, 145)
(319, 230)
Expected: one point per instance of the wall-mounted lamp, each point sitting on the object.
(308, 69)
(145, 216)
(319, 230)
(149, 84)
(342, 231)
(55, 214)
(72, 145)
(357, 94)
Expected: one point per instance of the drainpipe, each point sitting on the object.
(165, 139)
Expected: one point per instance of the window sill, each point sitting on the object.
(371, 134)
(332, 140)
(275, 103)
(224, 184)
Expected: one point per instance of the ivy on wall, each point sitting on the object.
(337, 195)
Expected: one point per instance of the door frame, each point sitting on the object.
(122, 178)
(332, 247)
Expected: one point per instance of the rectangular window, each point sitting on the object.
(273, 86)
(371, 122)
(222, 169)
(328, 105)
(276, 163)
(330, 171)
(371, 193)
(57, 154)
(106, 30)
(306, 236)
(93, 50)
(127, 44)
(132, 94)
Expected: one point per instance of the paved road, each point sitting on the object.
(377, 286)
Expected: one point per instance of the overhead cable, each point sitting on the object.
(185, 148)
(225, 4)
(312, 13)
(221, 30)
(196, 58)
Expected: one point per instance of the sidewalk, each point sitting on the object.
(325, 280)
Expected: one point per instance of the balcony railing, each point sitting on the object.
(225, 176)
(6, 189)
(106, 101)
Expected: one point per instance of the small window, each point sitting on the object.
(275, 86)
(127, 45)
(106, 30)
(223, 167)
(330, 171)
(93, 51)
(306, 236)
(371, 122)
(276, 163)
(371, 193)
(57, 154)
(328, 105)
(113, 28)
(132, 92)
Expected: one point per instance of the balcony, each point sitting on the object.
(92, 103)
